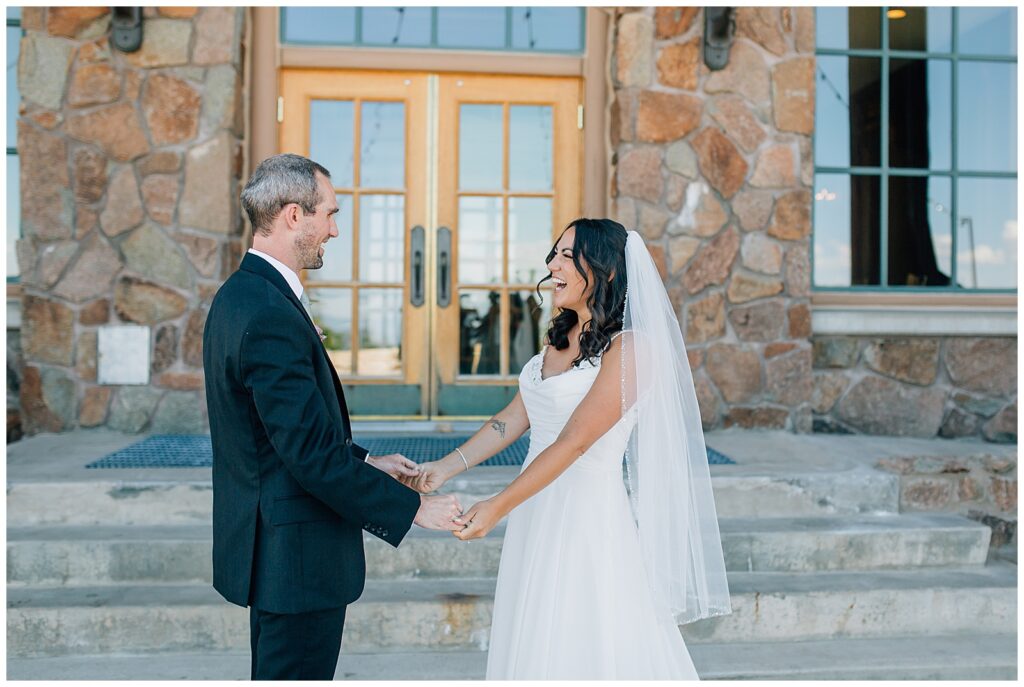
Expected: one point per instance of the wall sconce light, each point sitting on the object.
(719, 30)
(126, 28)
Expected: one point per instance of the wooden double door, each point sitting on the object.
(452, 190)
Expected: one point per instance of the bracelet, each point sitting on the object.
(463, 456)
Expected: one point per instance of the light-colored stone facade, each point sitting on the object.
(130, 169)
(715, 170)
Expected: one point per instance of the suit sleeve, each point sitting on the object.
(276, 367)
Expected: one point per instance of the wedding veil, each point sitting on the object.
(667, 466)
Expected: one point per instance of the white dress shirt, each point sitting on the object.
(286, 272)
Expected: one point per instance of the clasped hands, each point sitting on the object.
(439, 512)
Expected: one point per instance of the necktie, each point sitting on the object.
(304, 299)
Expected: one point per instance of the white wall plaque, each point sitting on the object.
(123, 355)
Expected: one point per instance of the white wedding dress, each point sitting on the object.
(573, 601)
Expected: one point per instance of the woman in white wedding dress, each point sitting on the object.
(593, 578)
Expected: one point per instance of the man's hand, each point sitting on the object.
(439, 513)
(431, 477)
(396, 465)
(479, 520)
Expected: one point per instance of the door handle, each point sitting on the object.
(416, 297)
(444, 272)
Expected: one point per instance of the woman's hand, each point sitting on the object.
(480, 519)
(431, 477)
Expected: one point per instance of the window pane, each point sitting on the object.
(337, 251)
(409, 26)
(529, 239)
(332, 312)
(987, 233)
(919, 231)
(479, 332)
(921, 28)
(528, 322)
(330, 25)
(13, 96)
(13, 12)
(480, 147)
(471, 27)
(380, 332)
(853, 27)
(13, 215)
(547, 28)
(480, 240)
(382, 238)
(920, 110)
(382, 154)
(331, 127)
(529, 148)
(987, 30)
(846, 230)
(848, 97)
(987, 116)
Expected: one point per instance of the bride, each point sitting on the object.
(596, 571)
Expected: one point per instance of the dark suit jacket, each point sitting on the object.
(291, 492)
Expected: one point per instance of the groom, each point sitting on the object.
(291, 492)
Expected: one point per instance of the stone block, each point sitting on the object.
(749, 287)
(192, 341)
(675, 192)
(969, 489)
(720, 161)
(208, 201)
(161, 162)
(53, 258)
(679, 65)
(165, 43)
(177, 12)
(761, 254)
(47, 398)
(165, 348)
(738, 121)
(680, 158)
(621, 115)
(776, 348)
(752, 208)
(876, 405)
(978, 405)
(707, 401)
(674, 21)
(215, 35)
(651, 221)
(926, 493)
(86, 220)
(92, 272)
(713, 262)
(97, 312)
(804, 37)
(793, 95)
(639, 174)
(178, 413)
(775, 167)
(663, 117)
(913, 359)
(136, 300)
(798, 270)
(90, 174)
(47, 331)
(958, 424)
(85, 356)
(987, 365)
(155, 256)
(43, 64)
(115, 128)
(123, 210)
(791, 220)
(759, 417)
(680, 250)
(1004, 492)
(761, 25)
(702, 214)
(69, 22)
(182, 381)
(758, 322)
(160, 194)
(634, 46)
(705, 319)
(735, 371)
(96, 51)
(132, 408)
(788, 378)
(999, 464)
(95, 402)
(204, 253)
(222, 104)
(46, 199)
(826, 390)
(94, 84)
(1003, 427)
(832, 351)
(746, 75)
(171, 108)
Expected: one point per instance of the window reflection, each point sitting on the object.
(528, 320)
(397, 26)
(380, 332)
(922, 29)
(331, 127)
(918, 225)
(987, 233)
(529, 238)
(481, 250)
(382, 238)
(530, 163)
(329, 25)
(846, 230)
(480, 147)
(848, 96)
(848, 28)
(547, 28)
(987, 117)
(382, 146)
(471, 27)
(987, 30)
(332, 312)
(479, 332)
(338, 251)
(920, 110)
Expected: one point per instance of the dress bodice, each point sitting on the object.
(551, 402)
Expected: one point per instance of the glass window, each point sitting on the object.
(471, 27)
(325, 25)
(915, 148)
(398, 26)
(558, 29)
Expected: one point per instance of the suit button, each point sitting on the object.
(348, 441)
(385, 533)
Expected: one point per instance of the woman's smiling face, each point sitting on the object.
(571, 289)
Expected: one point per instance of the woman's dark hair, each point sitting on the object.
(601, 244)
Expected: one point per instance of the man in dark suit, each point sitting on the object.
(291, 492)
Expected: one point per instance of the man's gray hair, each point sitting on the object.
(277, 181)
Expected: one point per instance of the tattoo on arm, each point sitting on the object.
(499, 427)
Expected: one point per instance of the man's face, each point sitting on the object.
(317, 228)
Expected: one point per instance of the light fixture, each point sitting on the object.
(896, 14)
(719, 30)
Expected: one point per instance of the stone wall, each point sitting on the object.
(715, 170)
(130, 165)
(917, 386)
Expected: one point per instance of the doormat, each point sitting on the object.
(194, 451)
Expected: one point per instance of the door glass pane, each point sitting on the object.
(337, 251)
(382, 238)
(13, 96)
(919, 231)
(380, 332)
(480, 147)
(332, 312)
(331, 126)
(853, 27)
(530, 165)
(529, 239)
(921, 28)
(398, 26)
(987, 30)
(479, 332)
(13, 12)
(13, 214)
(528, 322)
(327, 25)
(547, 28)
(471, 27)
(846, 230)
(987, 233)
(848, 97)
(480, 240)
(920, 113)
(987, 116)
(382, 150)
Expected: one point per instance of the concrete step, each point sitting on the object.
(455, 613)
(976, 657)
(97, 555)
(113, 497)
